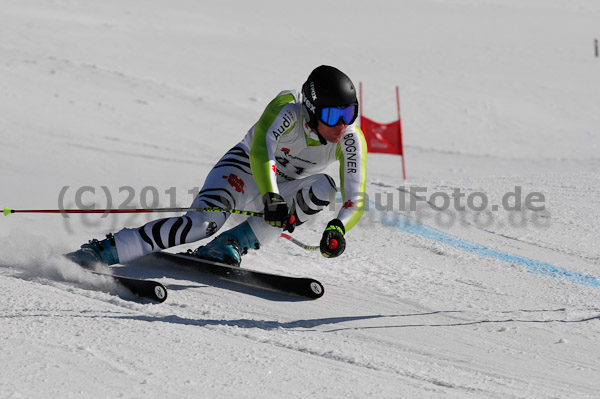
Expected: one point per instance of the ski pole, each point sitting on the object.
(300, 243)
(8, 211)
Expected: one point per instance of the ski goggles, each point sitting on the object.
(331, 115)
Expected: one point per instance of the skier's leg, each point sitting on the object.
(308, 196)
(224, 187)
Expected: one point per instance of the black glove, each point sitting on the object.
(276, 210)
(333, 242)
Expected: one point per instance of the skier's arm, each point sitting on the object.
(352, 155)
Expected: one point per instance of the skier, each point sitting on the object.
(274, 169)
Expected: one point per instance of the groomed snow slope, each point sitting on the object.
(141, 98)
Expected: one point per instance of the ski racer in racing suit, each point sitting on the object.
(275, 169)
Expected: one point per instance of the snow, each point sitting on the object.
(130, 97)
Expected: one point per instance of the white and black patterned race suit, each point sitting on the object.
(280, 154)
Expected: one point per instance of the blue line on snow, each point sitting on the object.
(535, 266)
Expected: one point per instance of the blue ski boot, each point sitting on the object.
(95, 251)
(229, 246)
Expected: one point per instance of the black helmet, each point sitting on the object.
(328, 87)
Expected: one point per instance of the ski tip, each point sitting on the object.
(316, 289)
(161, 293)
(7, 211)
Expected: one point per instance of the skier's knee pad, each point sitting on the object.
(203, 225)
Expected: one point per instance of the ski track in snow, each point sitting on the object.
(532, 265)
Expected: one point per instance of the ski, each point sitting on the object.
(306, 287)
(143, 288)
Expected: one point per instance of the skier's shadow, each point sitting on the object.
(313, 324)
(307, 324)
